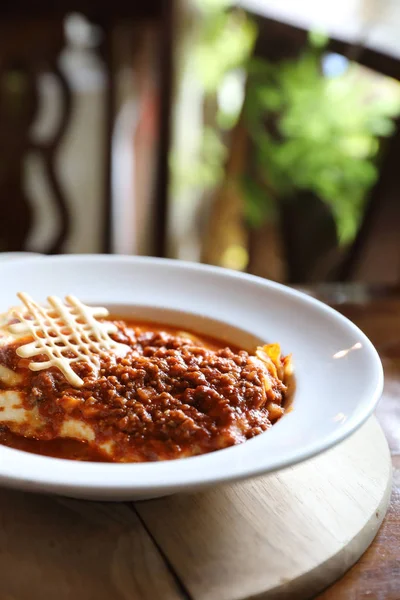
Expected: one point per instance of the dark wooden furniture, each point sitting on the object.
(31, 39)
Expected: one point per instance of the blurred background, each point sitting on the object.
(262, 136)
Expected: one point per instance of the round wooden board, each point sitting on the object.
(287, 535)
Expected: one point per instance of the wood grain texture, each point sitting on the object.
(377, 311)
(66, 549)
(376, 576)
(287, 535)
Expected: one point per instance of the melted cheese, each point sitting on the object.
(29, 422)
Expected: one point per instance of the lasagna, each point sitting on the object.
(130, 391)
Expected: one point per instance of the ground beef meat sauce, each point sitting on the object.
(174, 395)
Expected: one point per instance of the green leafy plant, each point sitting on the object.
(316, 133)
(310, 132)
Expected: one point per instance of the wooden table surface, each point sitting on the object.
(376, 576)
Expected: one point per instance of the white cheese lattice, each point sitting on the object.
(65, 333)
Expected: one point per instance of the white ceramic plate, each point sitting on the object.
(338, 372)
(18, 255)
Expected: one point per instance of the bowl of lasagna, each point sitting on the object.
(127, 377)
